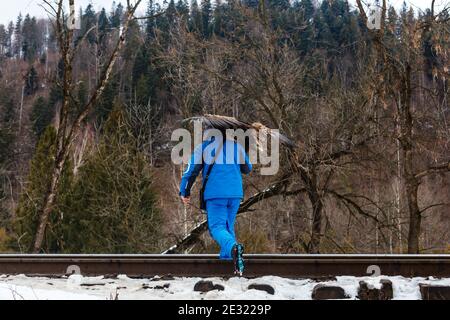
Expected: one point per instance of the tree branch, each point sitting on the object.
(352, 203)
(149, 17)
(433, 205)
(104, 78)
(441, 167)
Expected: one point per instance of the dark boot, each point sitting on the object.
(238, 259)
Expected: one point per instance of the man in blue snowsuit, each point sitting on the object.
(223, 191)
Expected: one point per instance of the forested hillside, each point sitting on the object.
(368, 109)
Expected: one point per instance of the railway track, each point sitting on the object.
(290, 265)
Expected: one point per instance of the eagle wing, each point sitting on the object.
(212, 121)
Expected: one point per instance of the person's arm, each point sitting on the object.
(246, 167)
(190, 174)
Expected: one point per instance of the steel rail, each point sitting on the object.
(204, 265)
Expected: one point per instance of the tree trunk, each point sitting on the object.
(409, 180)
(49, 202)
(62, 145)
(415, 217)
(316, 228)
(317, 208)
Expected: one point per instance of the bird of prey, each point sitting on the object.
(222, 123)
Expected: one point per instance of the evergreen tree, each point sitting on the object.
(82, 94)
(392, 23)
(182, 8)
(217, 24)
(147, 73)
(195, 22)
(112, 205)
(106, 102)
(145, 76)
(7, 137)
(31, 82)
(150, 23)
(346, 26)
(6, 140)
(116, 15)
(39, 180)
(78, 223)
(323, 34)
(3, 41)
(103, 21)
(88, 20)
(103, 27)
(7, 107)
(41, 116)
(307, 8)
(9, 39)
(55, 96)
(43, 110)
(429, 51)
(133, 41)
(31, 45)
(6, 125)
(303, 19)
(404, 10)
(6, 159)
(17, 46)
(26, 46)
(206, 17)
(165, 22)
(171, 11)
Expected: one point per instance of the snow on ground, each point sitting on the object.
(77, 287)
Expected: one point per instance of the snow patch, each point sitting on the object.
(78, 287)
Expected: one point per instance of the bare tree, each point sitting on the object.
(395, 78)
(267, 77)
(69, 128)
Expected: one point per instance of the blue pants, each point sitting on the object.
(221, 217)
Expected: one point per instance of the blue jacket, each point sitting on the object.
(225, 179)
